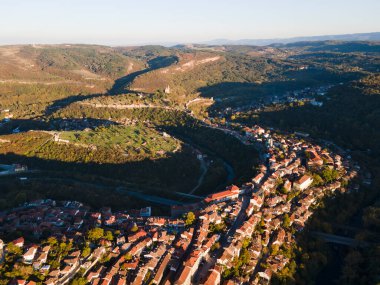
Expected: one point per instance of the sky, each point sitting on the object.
(129, 22)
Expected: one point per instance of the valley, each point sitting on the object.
(264, 146)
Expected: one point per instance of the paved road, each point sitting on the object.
(340, 240)
(229, 169)
(189, 195)
(149, 198)
(204, 168)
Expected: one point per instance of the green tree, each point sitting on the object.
(79, 281)
(286, 221)
(128, 257)
(86, 251)
(134, 228)
(190, 219)
(108, 236)
(215, 246)
(317, 180)
(95, 234)
(13, 249)
(329, 175)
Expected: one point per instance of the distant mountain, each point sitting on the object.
(264, 42)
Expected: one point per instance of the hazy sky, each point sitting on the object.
(123, 22)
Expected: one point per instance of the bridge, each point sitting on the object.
(147, 197)
(340, 240)
(189, 195)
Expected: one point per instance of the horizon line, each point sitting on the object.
(173, 43)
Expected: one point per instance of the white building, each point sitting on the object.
(303, 183)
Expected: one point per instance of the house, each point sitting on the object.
(137, 249)
(29, 255)
(259, 177)
(314, 160)
(19, 242)
(185, 277)
(109, 220)
(51, 281)
(279, 238)
(230, 193)
(121, 281)
(160, 271)
(259, 130)
(107, 279)
(156, 221)
(18, 282)
(131, 265)
(303, 183)
(265, 276)
(245, 230)
(287, 185)
(134, 237)
(66, 270)
(213, 277)
(120, 240)
(256, 201)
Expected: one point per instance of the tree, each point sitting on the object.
(95, 234)
(134, 228)
(128, 256)
(246, 242)
(286, 221)
(108, 236)
(274, 249)
(317, 180)
(215, 246)
(86, 251)
(13, 249)
(79, 281)
(329, 175)
(190, 219)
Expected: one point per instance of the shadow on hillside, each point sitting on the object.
(121, 85)
(348, 47)
(20, 125)
(158, 177)
(62, 103)
(67, 181)
(243, 94)
(247, 94)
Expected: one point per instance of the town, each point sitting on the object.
(307, 95)
(242, 235)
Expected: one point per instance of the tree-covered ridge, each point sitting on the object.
(349, 118)
(98, 60)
